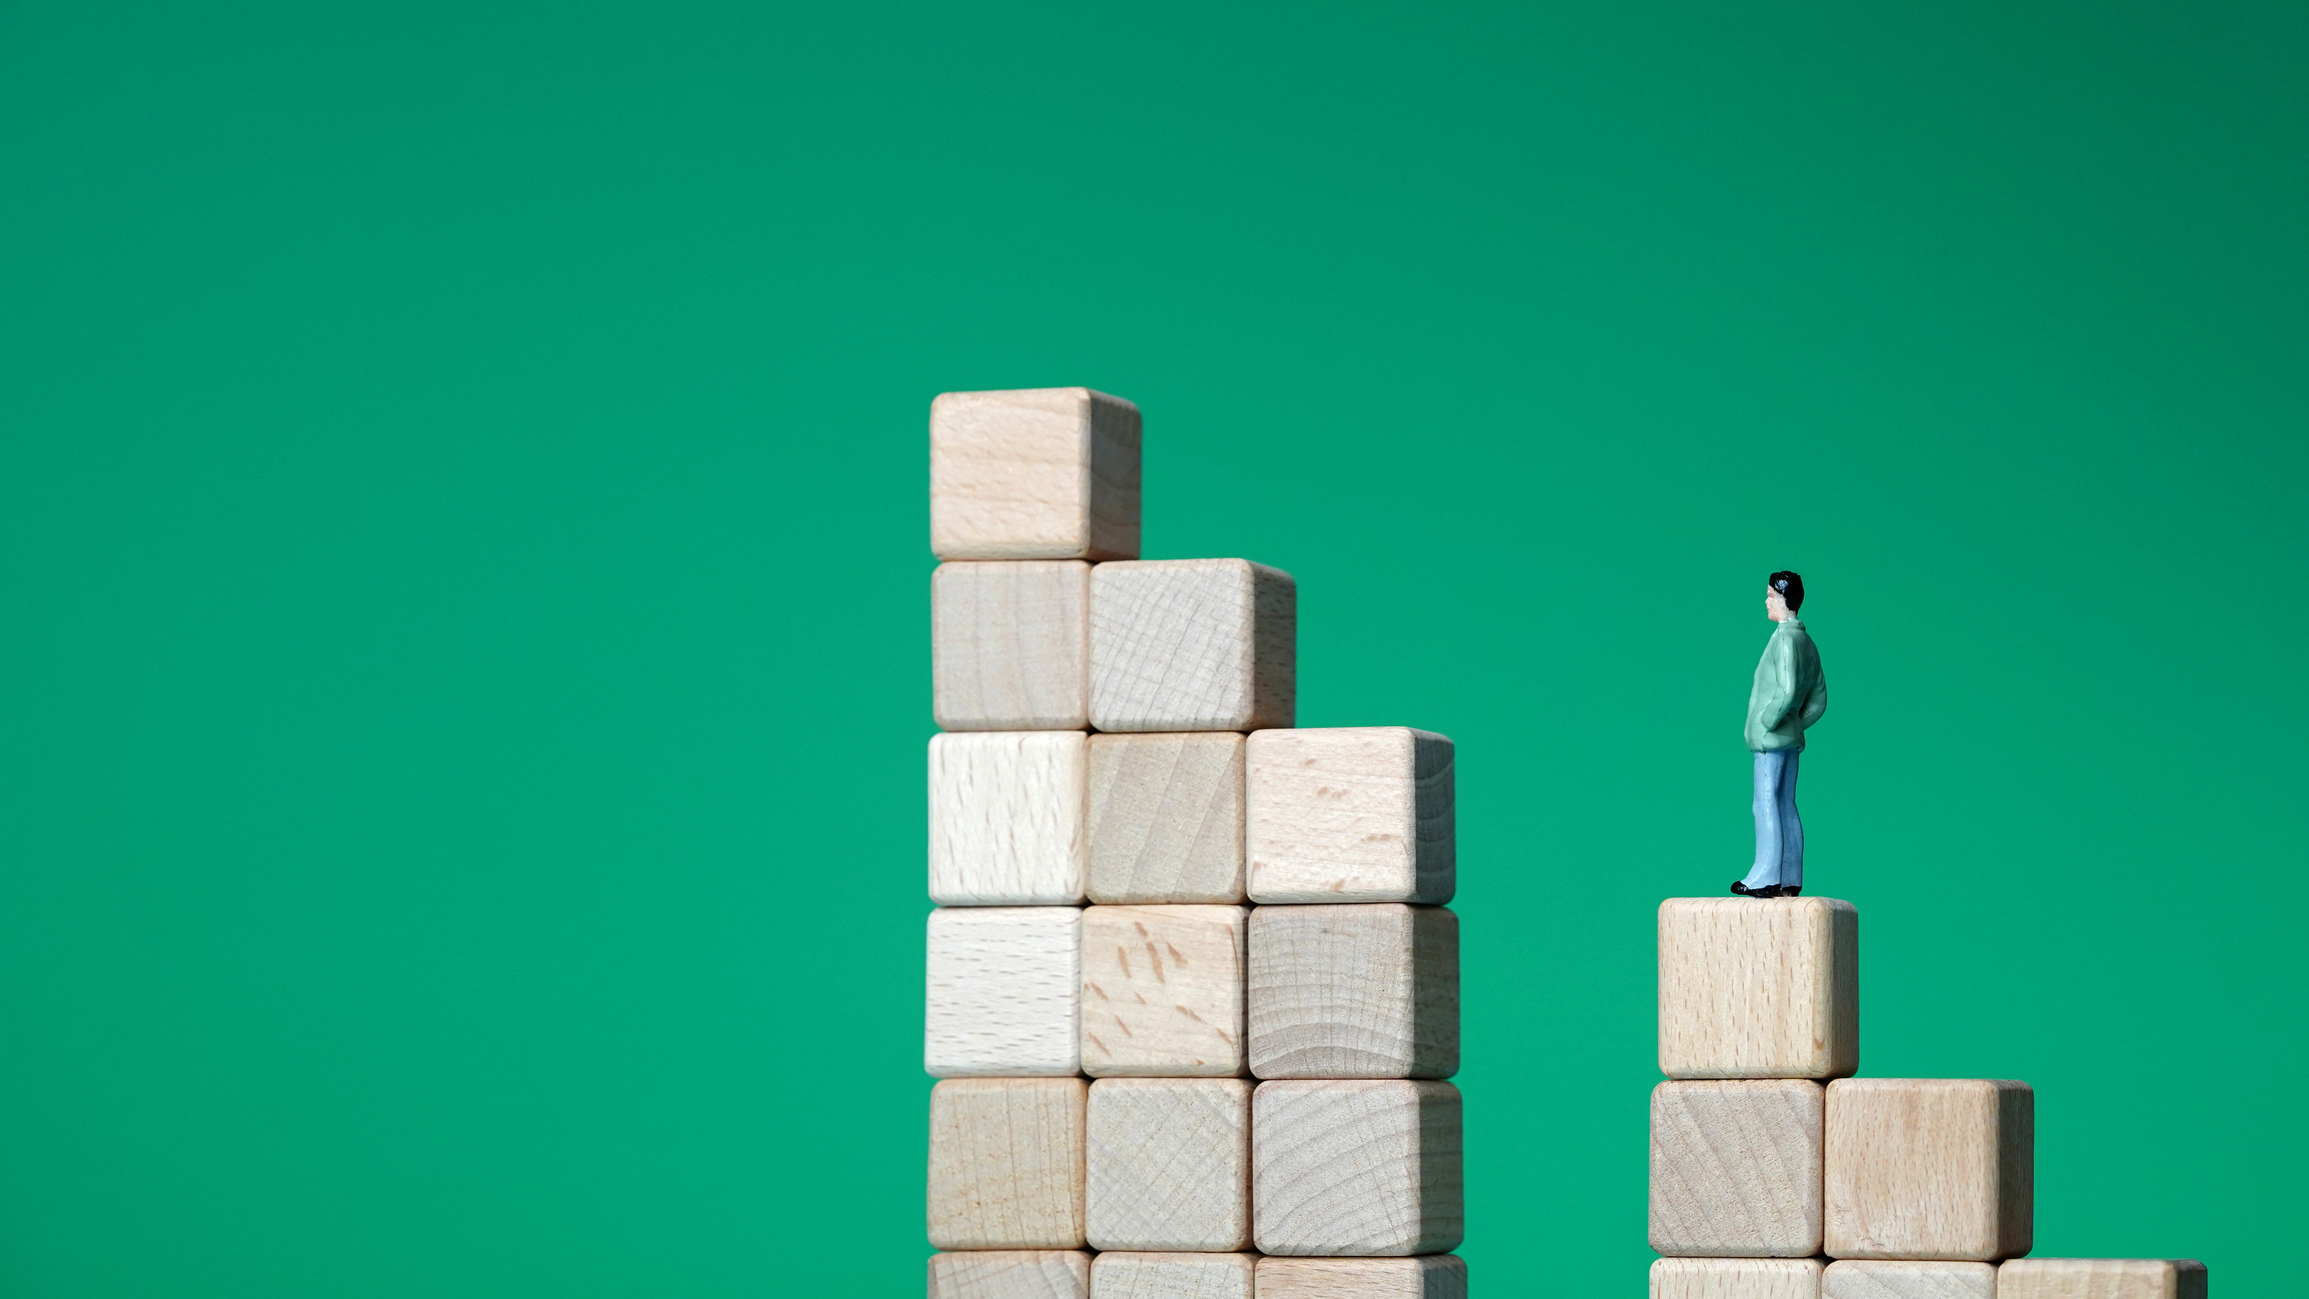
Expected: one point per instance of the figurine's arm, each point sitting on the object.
(1816, 703)
(1775, 684)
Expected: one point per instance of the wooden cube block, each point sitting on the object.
(1170, 1164)
(1356, 1168)
(1192, 645)
(1855, 1278)
(1004, 993)
(1736, 1168)
(2101, 1278)
(1010, 646)
(1736, 1278)
(1431, 1276)
(1166, 817)
(1135, 1275)
(1755, 988)
(1163, 991)
(1368, 990)
(1929, 1168)
(1011, 1274)
(1034, 473)
(1007, 812)
(1006, 1163)
(1350, 814)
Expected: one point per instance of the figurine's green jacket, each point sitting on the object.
(1790, 693)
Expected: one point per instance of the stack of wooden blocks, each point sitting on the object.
(1264, 1111)
(1776, 1174)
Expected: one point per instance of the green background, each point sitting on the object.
(463, 573)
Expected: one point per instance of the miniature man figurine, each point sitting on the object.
(1789, 695)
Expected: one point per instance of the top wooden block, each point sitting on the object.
(2101, 1278)
(1758, 988)
(1193, 645)
(1034, 473)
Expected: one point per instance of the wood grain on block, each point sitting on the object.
(1192, 645)
(1170, 1164)
(1430, 1276)
(1034, 473)
(1350, 814)
(1166, 817)
(1007, 818)
(1855, 1278)
(1356, 1168)
(1757, 988)
(2101, 1278)
(1004, 992)
(1163, 990)
(1011, 1274)
(1736, 1278)
(1006, 1163)
(1368, 990)
(1736, 1168)
(1129, 1274)
(1929, 1168)
(1010, 646)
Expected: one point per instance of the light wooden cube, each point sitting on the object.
(1004, 993)
(1170, 1164)
(1367, 990)
(1356, 1168)
(1010, 646)
(2101, 1278)
(1158, 1275)
(1855, 1278)
(1011, 1274)
(1736, 1168)
(1007, 813)
(1736, 1278)
(1192, 645)
(1350, 814)
(1758, 988)
(1034, 473)
(1430, 1276)
(1006, 1163)
(1929, 1168)
(1163, 991)
(1166, 817)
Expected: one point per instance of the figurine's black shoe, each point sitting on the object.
(1768, 891)
(1790, 891)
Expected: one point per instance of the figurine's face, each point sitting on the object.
(1776, 606)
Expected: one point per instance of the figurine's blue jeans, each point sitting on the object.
(1779, 834)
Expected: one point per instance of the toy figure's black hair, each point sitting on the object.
(1790, 587)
